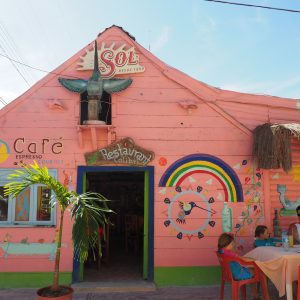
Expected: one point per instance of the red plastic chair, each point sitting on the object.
(298, 284)
(237, 284)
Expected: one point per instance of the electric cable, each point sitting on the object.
(255, 6)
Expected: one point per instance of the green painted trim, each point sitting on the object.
(31, 279)
(81, 266)
(285, 212)
(169, 276)
(146, 221)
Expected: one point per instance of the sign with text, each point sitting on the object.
(112, 61)
(124, 151)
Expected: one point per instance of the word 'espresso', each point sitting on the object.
(126, 155)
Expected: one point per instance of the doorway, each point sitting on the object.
(127, 242)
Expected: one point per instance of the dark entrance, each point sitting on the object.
(122, 241)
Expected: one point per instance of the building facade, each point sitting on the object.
(174, 156)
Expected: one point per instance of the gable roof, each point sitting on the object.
(245, 111)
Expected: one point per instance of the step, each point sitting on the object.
(115, 286)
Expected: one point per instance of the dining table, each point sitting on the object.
(280, 265)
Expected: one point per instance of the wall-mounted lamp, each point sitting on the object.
(189, 105)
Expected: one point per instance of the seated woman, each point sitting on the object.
(226, 247)
(262, 237)
(294, 228)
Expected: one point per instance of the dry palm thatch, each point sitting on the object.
(272, 145)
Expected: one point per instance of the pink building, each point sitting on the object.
(173, 154)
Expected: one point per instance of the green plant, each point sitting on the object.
(88, 210)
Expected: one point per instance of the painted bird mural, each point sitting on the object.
(95, 85)
(186, 209)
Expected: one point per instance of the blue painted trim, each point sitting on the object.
(151, 225)
(82, 170)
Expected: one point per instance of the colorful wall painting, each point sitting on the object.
(4, 151)
(252, 214)
(25, 248)
(28, 249)
(23, 206)
(288, 206)
(207, 164)
(190, 212)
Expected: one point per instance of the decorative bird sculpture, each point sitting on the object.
(95, 87)
(186, 209)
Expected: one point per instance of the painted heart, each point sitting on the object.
(211, 200)
(200, 235)
(254, 207)
(247, 179)
(244, 162)
(179, 235)
(167, 223)
(167, 201)
(178, 189)
(237, 225)
(199, 189)
(212, 223)
(258, 175)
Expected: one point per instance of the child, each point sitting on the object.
(239, 272)
(262, 237)
(225, 246)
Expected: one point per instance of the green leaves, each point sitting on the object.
(88, 210)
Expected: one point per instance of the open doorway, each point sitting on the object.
(122, 241)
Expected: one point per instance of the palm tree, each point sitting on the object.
(88, 210)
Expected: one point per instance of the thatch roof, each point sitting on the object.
(272, 145)
(291, 128)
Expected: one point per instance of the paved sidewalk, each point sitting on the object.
(168, 293)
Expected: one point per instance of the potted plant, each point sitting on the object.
(88, 210)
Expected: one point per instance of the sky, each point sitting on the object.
(244, 49)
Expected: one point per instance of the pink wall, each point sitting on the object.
(148, 111)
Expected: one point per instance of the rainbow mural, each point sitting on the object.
(207, 164)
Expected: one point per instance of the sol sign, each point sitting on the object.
(112, 61)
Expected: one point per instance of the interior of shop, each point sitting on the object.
(122, 238)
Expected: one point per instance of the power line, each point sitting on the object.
(3, 101)
(28, 66)
(14, 65)
(257, 6)
(12, 49)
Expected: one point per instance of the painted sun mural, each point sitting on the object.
(192, 187)
(190, 212)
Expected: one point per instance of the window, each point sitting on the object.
(105, 113)
(31, 207)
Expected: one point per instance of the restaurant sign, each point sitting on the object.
(112, 61)
(124, 151)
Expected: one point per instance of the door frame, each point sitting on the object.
(148, 252)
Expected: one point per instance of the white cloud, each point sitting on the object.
(162, 40)
(286, 88)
